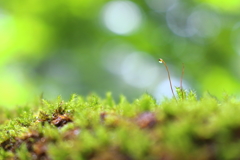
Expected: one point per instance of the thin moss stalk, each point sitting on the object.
(169, 78)
(181, 86)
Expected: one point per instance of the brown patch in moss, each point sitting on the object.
(59, 117)
(146, 120)
(60, 120)
(10, 144)
(103, 116)
(35, 143)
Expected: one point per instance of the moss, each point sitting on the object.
(101, 129)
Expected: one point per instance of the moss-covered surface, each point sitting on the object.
(102, 129)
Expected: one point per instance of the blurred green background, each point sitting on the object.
(60, 47)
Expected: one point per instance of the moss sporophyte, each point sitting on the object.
(160, 60)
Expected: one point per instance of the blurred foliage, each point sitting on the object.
(62, 47)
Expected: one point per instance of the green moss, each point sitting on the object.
(95, 128)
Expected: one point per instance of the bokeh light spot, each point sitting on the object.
(206, 23)
(177, 20)
(138, 70)
(122, 17)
